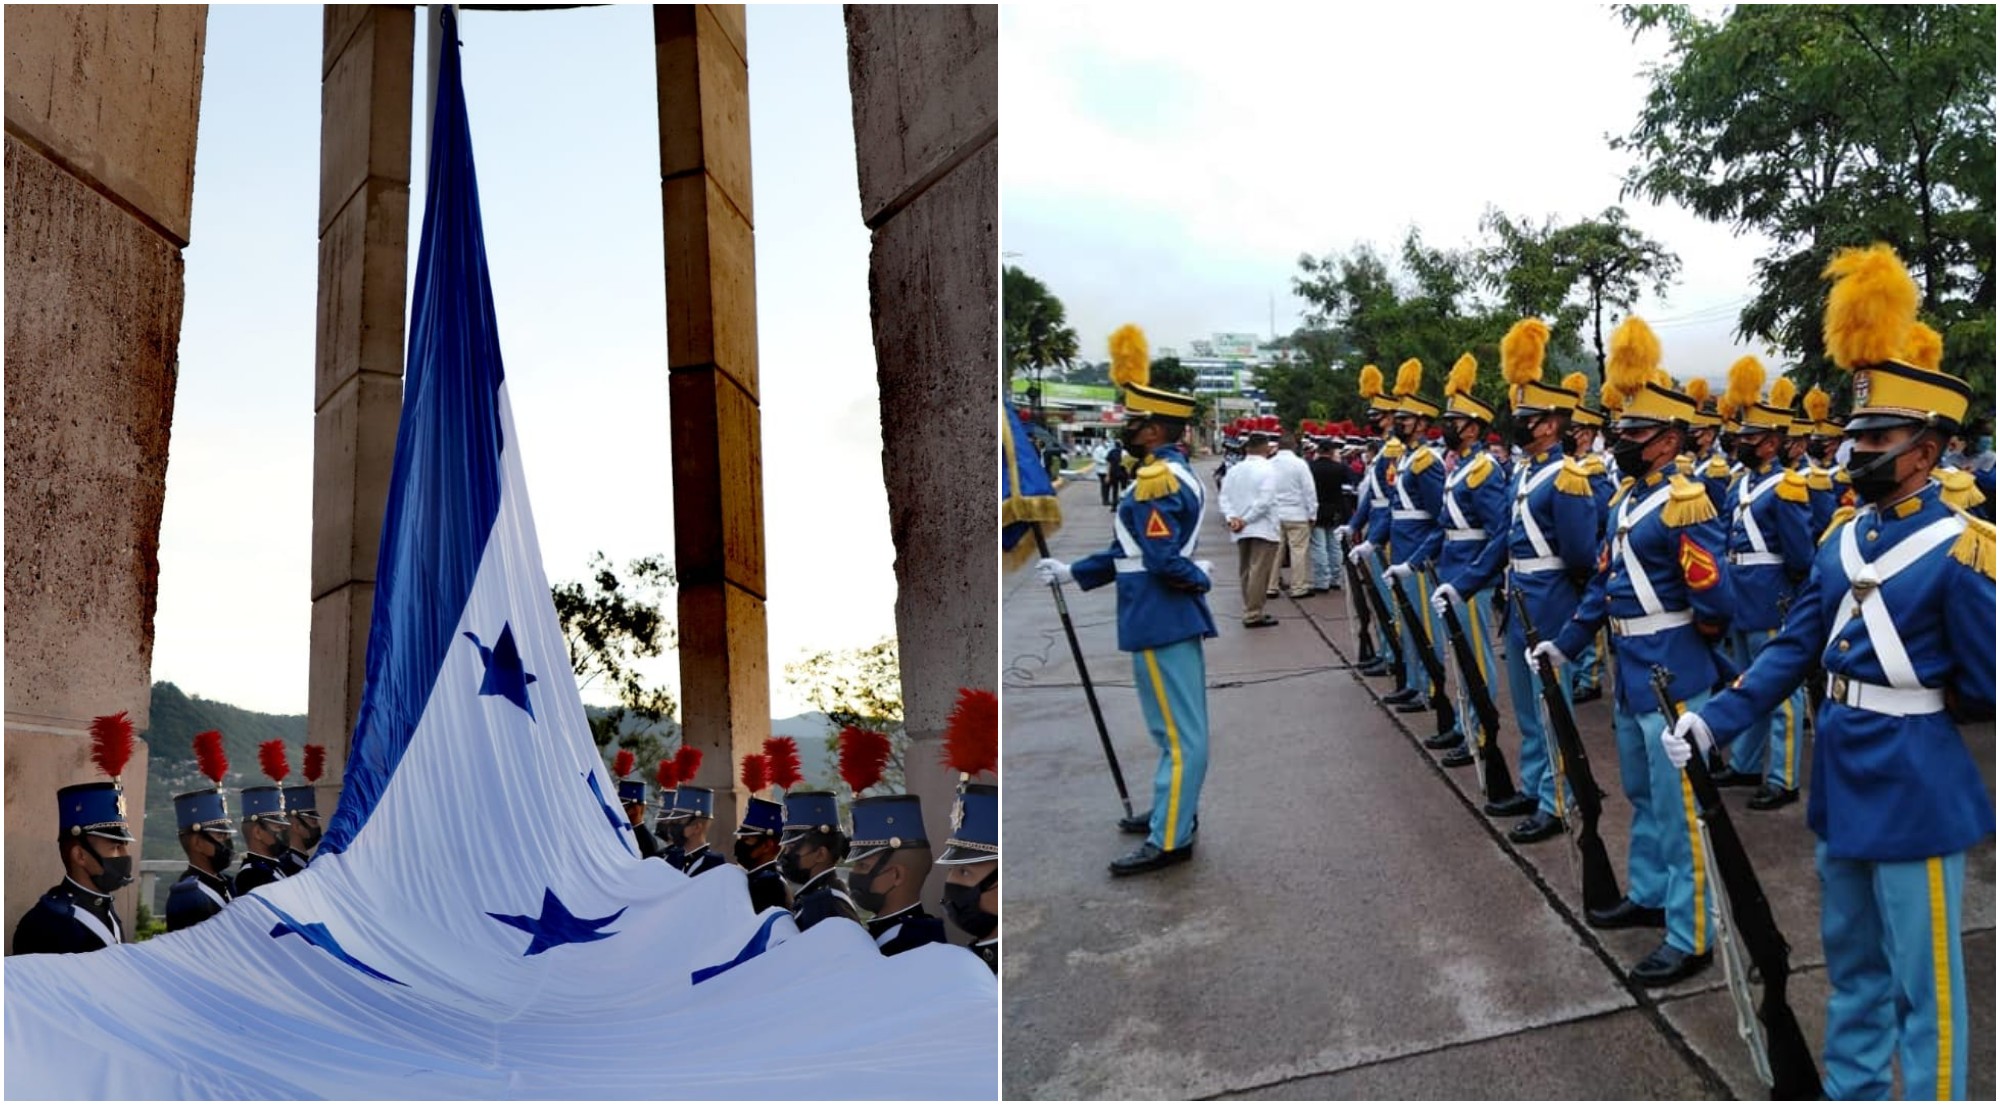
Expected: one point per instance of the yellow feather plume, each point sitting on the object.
(1129, 361)
(1521, 351)
(1611, 398)
(1635, 353)
(1371, 381)
(1783, 391)
(1697, 390)
(1409, 376)
(1463, 372)
(1727, 407)
(1924, 347)
(1818, 404)
(1871, 306)
(1746, 383)
(1577, 382)
(1659, 376)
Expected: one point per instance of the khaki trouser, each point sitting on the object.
(1298, 543)
(1257, 568)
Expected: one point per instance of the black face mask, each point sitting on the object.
(1747, 456)
(1630, 457)
(1821, 452)
(117, 870)
(1129, 439)
(312, 840)
(1874, 471)
(861, 888)
(794, 869)
(746, 854)
(225, 851)
(1522, 432)
(961, 905)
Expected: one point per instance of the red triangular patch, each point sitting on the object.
(1156, 526)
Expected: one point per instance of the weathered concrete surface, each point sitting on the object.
(1299, 954)
(924, 81)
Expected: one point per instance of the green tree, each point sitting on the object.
(857, 686)
(1170, 373)
(1825, 126)
(1036, 333)
(610, 624)
(1569, 274)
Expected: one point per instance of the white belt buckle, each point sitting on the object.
(1836, 689)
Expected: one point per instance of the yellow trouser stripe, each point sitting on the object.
(1699, 868)
(1173, 748)
(1941, 972)
(1478, 639)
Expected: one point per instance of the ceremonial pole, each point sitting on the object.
(1083, 672)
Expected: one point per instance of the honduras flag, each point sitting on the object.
(477, 923)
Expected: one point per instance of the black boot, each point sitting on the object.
(1147, 857)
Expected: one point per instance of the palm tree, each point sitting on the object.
(1037, 335)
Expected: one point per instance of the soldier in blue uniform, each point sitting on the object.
(689, 820)
(1412, 535)
(1548, 545)
(885, 877)
(1475, 509)
(1372, 508)
(1770, 545)
(757, 853)
(302, 808)
(1163, 613)
(812, 847)
(632, 796)
(1663, 587)
(1586, 424)
(265, 828)
(1899, 610)
(971, 861)
(76, 914)
(207, 837)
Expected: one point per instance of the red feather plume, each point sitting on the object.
(783, 766)
(665, 775)
(111, 742)
(623, 763)
(271, 757)
(972, 733)
(756, 773)
(209, 756)
(687, 761)
(863, 752)
(315, 762)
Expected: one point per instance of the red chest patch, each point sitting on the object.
(1697, 565)
(1156, 526)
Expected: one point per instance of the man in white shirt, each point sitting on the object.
(1247, 502)
(1296, 502)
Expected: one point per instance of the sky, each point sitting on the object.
(1169, 170)
(565, 136)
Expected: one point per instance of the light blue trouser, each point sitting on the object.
(1325, 553)
(1173, 694)
(1371, 576)
(1589, 667)
(1897, 968)
(1475, 614)
(1417, 586)
(1664, 868)
(1524, 688)
(1778, 739)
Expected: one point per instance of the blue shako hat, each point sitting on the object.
(975, 825)
(887, 821)
(266, 803)
(302, 799)
(204, 810)
(761, 815)
(631, 790)
(95, 808)
(693, 802)
(809, 811)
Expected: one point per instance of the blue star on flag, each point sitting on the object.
(504, 674)
(557, 925)
(317, 935)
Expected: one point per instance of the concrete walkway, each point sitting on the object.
(1351, 927)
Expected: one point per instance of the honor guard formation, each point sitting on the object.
(1771, 598)
(790, 851)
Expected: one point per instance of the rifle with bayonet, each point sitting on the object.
(1447, 714)
(1600, 882)
(1388, 624)
(1494, 777)
(1359, 632)
(1784, 1061)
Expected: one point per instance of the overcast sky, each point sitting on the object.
(565, 133)
(1168, 169)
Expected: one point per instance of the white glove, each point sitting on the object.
(1399, 571)
(1676, 740)
(1445, 597)
(1342, 533)
(1360, 553)
(1547, 650)
(1207, 567)
(1053, 571)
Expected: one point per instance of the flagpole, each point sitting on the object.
(1089, 691)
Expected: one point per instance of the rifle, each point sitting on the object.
(1357, 611)
(1494, 777)
(1447, 714)
(1600, 882)
(1779, 1050)
(1388, 625)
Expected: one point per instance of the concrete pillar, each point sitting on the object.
(100, 139)
(925, 82)
(704, 90)
(364, 232)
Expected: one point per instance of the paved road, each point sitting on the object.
(1352, 926)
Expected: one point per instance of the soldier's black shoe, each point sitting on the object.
(1516, 806)
(1459, 758)
(1589, 694)
(1730, 777)
(1539, 827)
(1443, 741)
(1137, 823)
(1373, 666)
(1627, 914)
(1402, 695)
(1147, 857)
(1414, 706)
(1668, 965)
(1768, 799)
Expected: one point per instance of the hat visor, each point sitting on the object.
(1636, 422)
(1878, 420)
(745, 831)
(959, 854)
(864, 853)
(112, 832)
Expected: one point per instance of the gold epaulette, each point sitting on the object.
(1718, 467)
(1819, 479)
(1422, 460)
(1959, 491)
(1974, 547)
(1593, 465)
(1687, 504)
(1841, 517)
(1792, 488)
(1573, 478)
(1392, 449)
(1154, 481)
(1840, 476)
(1625, 487)
(1482, 467)
(1685, 460)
